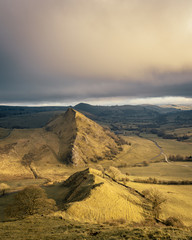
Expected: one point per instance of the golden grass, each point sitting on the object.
(178, 203)
(140, 150)
(91, 141)
(21, 142)
(54, 228)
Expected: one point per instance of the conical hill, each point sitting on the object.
(82, 140)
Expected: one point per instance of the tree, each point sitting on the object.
(114, 172)
(156, 198)
(3, 188)
(31, 200)
(28, 159)
(174, 222)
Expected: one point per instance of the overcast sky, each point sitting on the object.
(97, 51)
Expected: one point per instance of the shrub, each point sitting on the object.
(174, 222)
(145, 163)
(115, 222)
(31, 200)
(4, 188)
(156, 198)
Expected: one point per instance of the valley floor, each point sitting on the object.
(49, 228)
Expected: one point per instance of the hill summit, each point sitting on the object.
(82, 140)
(92, 196)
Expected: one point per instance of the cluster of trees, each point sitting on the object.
(179, 158)
(164, 135)
(31, 200)
(151, 180)
(142, 164)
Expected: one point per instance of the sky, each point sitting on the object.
(61, 52)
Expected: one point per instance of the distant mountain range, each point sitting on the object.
(149, 115)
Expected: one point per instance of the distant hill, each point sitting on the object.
(137, 116)
(27, 117)
(180, 107)
(135, 109)
(6, 111)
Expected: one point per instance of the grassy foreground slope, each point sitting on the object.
(92, 206)
(49, 228)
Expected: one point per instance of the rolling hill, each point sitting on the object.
(90, 196)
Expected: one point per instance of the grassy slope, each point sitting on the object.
(59, 229)
(140, 150)
(22, 142)
(92, 141)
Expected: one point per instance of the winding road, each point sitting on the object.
(160, 148)
(161, 151)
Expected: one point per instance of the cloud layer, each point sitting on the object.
(52, 50)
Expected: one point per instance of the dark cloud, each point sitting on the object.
(71, 50)
(57, 90)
